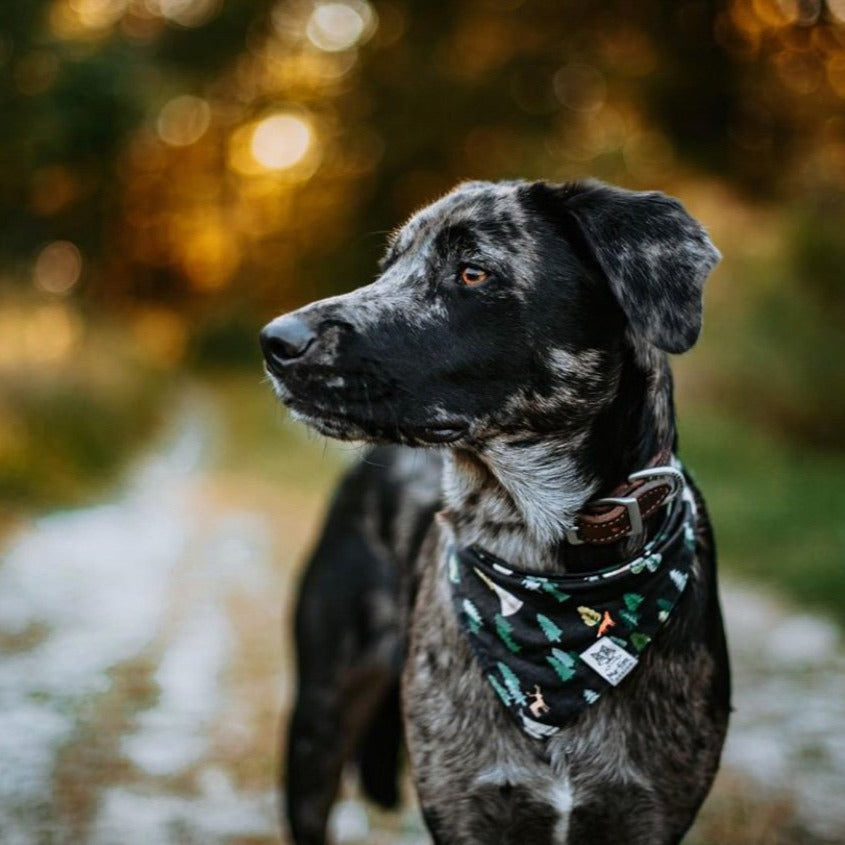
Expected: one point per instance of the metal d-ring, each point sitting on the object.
(675, 476)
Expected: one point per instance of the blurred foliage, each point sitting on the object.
(184, 169)
(66, 425)
(779, 512)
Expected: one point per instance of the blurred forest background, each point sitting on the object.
(174, 173)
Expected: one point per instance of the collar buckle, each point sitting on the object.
(639, 483)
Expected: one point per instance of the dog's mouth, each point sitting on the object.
(441, 433)
(338, 406)
(348, 425)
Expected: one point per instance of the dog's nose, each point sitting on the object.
(285, 339)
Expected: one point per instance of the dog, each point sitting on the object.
(516, 341)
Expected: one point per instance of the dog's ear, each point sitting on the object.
(654, 255)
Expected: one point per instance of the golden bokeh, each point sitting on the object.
(183, 120)
(280, 141)
(339, 26)
(35, 337)
(283, 141)
(58, 267)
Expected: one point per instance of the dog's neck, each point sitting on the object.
(516, 499)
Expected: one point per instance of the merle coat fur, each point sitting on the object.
(544, 386)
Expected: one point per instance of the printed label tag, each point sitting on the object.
(610, 660)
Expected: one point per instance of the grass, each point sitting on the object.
(778, 509)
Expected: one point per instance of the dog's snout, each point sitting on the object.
(285, 339)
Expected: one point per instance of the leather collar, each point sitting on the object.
(623, 513)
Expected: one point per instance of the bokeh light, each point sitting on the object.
(188, 13)
(49, 333)
(580, 87)
(280, 141)
(36, 336)
(183, 120)
(58, 267)
(98, 14)
(338, 26)
(837, 9)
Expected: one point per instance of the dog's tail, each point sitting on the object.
(380, 751)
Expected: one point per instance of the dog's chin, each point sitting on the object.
(342, 426)
(335, 427)
(342, 422)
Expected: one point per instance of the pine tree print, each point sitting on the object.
(650, 562)
(665, 608)
(552, 632)
(552, 590)
(505, 631)
(639, 641)
(630, 619)
(500, 690)
(620, 642)
(533, 584)
(512, 684)
(632, 601)
(689, 536)
(474, 620)
(562, 663)
(679, 579)
(590, 696)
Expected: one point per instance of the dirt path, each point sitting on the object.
(144, 664)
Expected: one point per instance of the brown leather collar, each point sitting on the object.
(623, 513)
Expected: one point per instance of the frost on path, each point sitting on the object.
(141, 673)
(788, 727)
(83, 593)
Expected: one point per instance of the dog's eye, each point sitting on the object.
(473, 276)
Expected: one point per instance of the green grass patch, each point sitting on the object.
(778, 509)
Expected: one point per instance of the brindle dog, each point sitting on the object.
(522, 328)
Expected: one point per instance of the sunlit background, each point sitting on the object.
(173, 173)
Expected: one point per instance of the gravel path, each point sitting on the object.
(143, 666)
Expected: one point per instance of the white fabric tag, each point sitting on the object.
(610, 660)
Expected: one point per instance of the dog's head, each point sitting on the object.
(499, 308)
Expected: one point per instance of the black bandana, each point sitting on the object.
(550, 645)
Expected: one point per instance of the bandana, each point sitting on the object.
(551, 645)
